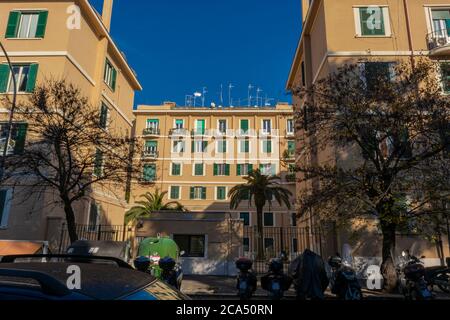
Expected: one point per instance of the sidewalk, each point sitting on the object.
(224, 288)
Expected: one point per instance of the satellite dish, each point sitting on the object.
(213, 105)
(197, 94)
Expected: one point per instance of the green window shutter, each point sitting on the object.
(42, 24)
(291, 147)
(369, 25)
(103, 116)
(269, 146)
(205, 145)
(238, 169)
(244, 125)
(4, 77)
(149, 172)
(198, 168)
(32, 76)
(13, 24)
(221, 193)
(216, 169)
(20, 138)
(193, 146)
(250, 168)
(227, 169)
(174, 192)
(203, 193)
(192, 193)
(98, 163)
(447, 24)
(114, 79)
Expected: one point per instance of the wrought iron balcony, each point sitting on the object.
(439, 42)
(151, 132)
(178, 132)
(150, 154)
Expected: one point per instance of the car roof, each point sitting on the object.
(98, 281)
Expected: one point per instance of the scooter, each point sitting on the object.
(275, 281)
(246, 279)
(411, 275)
(170, 272)
(344, 282)
(439, 276)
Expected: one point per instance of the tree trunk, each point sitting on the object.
(70, 219)
(259, 233)
(388, 267)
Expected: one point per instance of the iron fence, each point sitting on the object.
(291, 241)
(96, 233)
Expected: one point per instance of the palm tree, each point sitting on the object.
(153, 202)
(261, 189)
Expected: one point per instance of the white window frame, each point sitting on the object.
(200, 197)
(220, 140)
(262, 146)
(22, 14)
(226, 193)
(6, 208)
(107, 77)
(196, 124)
(196, 142)
(287, 126)
(179, 192)
(178, 141)
(249, 146)
(246, 166)
(273, 166)
(10, 87)
(250, 220)
(429, 15)
(218, 126)
(386, 20)
(193, 169)
(263, 130)
(273, 218)
(224, 165)
(175, 123)
(171, 167)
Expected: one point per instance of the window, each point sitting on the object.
(267, 126)
(152, 124)
(174, 193)
(221, 193)
(244, 126)
(176, 169)
(199, 169)
(441, 22)
(110, 76)
(246, 244)
(267, 169)
(244, 146)
(178, 146)
(223, 126)
(192, 245)
(376, 72)
(5, 205)
(94, 216)
(149, 174)
(179, 123)
(199, 146)
(221, 169)
(269, 244)
(17, 140)
(294, 245)
(372, 21)
(104, 114)
(445, 76)
(198, 193)
(222, 146)
(25, 75)
(151, 147)
(290, 126)
(200, 127)
(303, 74)
(268, 219)
(291, 148)
(246, 217)
(98, 163)
(267, 146)
(26, 24)
(293, 219)
(244, 169)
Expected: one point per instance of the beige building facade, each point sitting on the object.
(62, 40)
(366, 32)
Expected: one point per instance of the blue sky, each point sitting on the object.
(177, 47)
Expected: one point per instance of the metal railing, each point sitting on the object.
(150, 154)
(179, 132)
(151, 132)
(438, 39)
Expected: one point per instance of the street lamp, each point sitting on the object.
(11, 114)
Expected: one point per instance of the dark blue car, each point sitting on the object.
(58, 277)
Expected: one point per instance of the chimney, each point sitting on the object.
(107, 13)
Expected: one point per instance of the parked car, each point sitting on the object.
(116, 249)
(53, 277)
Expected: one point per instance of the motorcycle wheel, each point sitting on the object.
(443, 282)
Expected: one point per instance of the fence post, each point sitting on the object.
(99, 232)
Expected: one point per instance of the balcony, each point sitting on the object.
(217, 133)
(439, 43)
(245, 133)
(150, 154)
(289, 134)
(288, 156)
(268, 133)
(151, 132)
(179, 132)
(200, 133)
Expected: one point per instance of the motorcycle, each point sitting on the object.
(411, 275)
(275, 281)
(343, 281)
(439, 276)
(170, 271)
(246, 279)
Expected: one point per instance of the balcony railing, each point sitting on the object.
(268, 133)
(179, 132)
(240, 133)
(200, 133)
(289, 134)
(439, 42)
(151, 132)
(150, 154)
(288, 155)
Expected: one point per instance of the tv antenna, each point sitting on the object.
(258, 91)
(250, 87)
(230, 99)
(204, 92)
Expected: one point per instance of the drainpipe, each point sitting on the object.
(408, 31)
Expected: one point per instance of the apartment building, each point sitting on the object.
(62, 40)
(374, 34)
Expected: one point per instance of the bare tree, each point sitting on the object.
(370, 133)
(69, 151)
